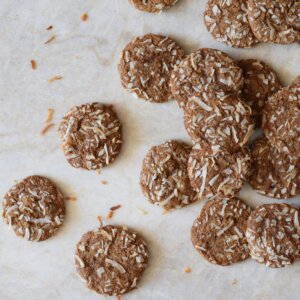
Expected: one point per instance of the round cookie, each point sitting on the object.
(281, 119)
(218, 233)
(216, 173)
(227, 22)
(91, 136)
(208, 72)
(111, 260)
(146, 64)
(164, 179)
(274, 173)
(226, 122)
(152, 6)
(34, 208)
(273, 234)
(269, 20)
(260, 82)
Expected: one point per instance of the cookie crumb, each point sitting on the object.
(234, 282)
(113, 208)
(49, 115)
(33, 64)
(52, 38)
(165, 212)
(50, 27)
(187, 270)
(71, 198)
(54, 78)
(84, 17)
(100, 220)
(109, 215)
(118, 297)
(46, 128)
(142, 211)
(104, 182)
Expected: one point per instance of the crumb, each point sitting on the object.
(115, 207)
(49, 115)
(99, 171)
(187, 270)
(118, 297)
(50, 40)
(234, 282)
(50, 27)
(54, 79)
(104, 182)
(46, 128)
(142, 211)
(100, 220)
(71, 198)
(165, 211)
(109, 214)
(33, 64)
(84, 17)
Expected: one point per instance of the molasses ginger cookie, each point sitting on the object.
(260, 82)
(218, 233)
(274, 173)
(273, 234)
(225, 121)
(208, 72)
(111, 260)
(215, 172)
(152, 6)
(164, 179)
(91, 136)
(227, 22)
(146, 64)
(272, 20)
(281, 119)
(34, 208)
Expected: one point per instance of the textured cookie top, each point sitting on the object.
(218, 233)
(273, 234)
(216, 173)
(274, 173)
(281, 119)
(225, 121)
(272, 20)
(227, 22)
(146, 64)
(153, 6)
(164, 179)
(260, 82)
(111, 260)
(34, 208)
(207, 71)
(91, 136)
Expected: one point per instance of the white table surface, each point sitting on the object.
(85, 54)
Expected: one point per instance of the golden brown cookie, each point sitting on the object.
(152, 6)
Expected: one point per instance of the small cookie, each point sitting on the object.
(164, 179)
(260, 82)
(208, 72)
(274, 173)
(218, 233)
(216, 173)
(227, 22)
(269, 20)
(34, 208)
(146, 64)
(226, 122)
(91, 136)
(273, 234)
(281, 119)
(111, 260)
(152, 6)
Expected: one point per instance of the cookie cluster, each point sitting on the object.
(244, 23)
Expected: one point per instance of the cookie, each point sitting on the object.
(111, 260)
(226, 122)
(218, 233)
(164, 179)
(216, 173)
(274, 173)
(91, 136)
(227, 22)
(281, 119)
(34, 208)
(273, 234)
(208, 72)
(152, 6)
(269, 20)
(260, 82)
(146, 64)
